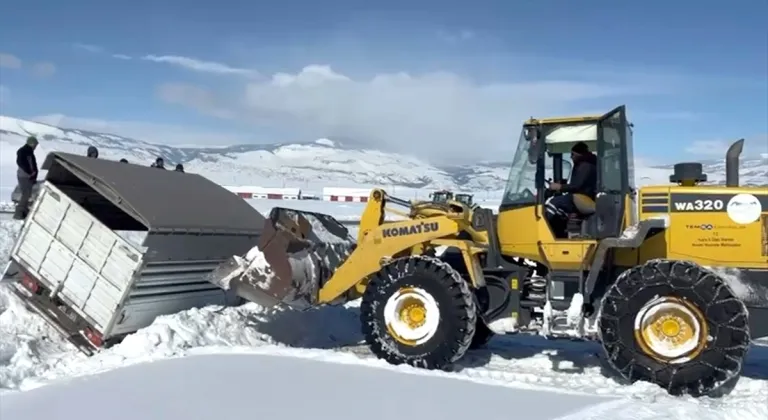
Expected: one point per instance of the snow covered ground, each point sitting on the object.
(285, 364)
(227, 387)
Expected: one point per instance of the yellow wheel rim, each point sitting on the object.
(671, 330)
(413, 313)
(411, 316)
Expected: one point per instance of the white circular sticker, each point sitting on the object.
(744, 209)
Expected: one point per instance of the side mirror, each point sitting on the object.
(536, 150)
(530, 133)
(536, 145)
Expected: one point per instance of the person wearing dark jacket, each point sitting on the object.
(123, 160)
(159, 163)
(93, 152)
(583, 183)
(179, 167)
(26, 175)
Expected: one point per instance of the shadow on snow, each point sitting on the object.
(338, 328)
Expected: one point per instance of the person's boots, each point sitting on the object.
(20, 213)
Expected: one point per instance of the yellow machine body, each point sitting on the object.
(635, 262)
(708, 237)
(700, 228)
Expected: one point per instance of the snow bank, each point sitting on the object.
(212, 329)
(667, 410)
(279, 388)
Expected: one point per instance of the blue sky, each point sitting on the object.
(416, 76)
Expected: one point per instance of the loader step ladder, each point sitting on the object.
(563, 314)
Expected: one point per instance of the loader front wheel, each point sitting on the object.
(675, 324)
(418, 311)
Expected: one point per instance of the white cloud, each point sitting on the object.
(44, 69)
(89, 48)
(150, 132)
(753, 146)
(438, 115)
(188, 63)
(199, 65)
(9, 61)
(200, 99)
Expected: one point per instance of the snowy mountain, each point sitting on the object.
(307, 165)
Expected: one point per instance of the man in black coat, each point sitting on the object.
(26, 174)
(159, 163)
(93, 152)
(583, 182)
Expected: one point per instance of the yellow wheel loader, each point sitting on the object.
(442, 196)
(647, 272)
(465, 198)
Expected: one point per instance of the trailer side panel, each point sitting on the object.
(76, 257)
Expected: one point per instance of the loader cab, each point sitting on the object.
(464, 199)
(441, 196)
(543, 156)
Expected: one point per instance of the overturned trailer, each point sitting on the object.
(108, 246)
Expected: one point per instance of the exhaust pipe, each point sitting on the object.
(732, 163)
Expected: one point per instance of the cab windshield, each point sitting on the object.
(521, 183)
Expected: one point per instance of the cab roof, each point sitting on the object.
(563, 120)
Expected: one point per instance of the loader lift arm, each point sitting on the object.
(380, 241)
(304, 259)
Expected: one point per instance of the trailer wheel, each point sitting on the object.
(483, 335)
(675, 324)
(418, 311)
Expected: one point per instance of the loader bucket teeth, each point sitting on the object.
(296, 254)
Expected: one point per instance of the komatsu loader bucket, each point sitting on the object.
(296, 254)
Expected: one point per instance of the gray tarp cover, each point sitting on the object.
(160, 199)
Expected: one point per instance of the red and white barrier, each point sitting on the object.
(266, 193)
(350, 195)
(335, 194)
(346, 198)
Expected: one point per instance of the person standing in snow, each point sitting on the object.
(93, 152)
(179, 168)
(159, 163)
(26, 175)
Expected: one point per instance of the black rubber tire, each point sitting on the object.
(482, 336)
(450, 291)
(716, 369)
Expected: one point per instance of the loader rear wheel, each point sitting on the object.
(675, 324)
(418, 311)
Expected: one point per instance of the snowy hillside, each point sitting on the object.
(322, 162)
(308, 165)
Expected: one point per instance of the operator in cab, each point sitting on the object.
(583, 182)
